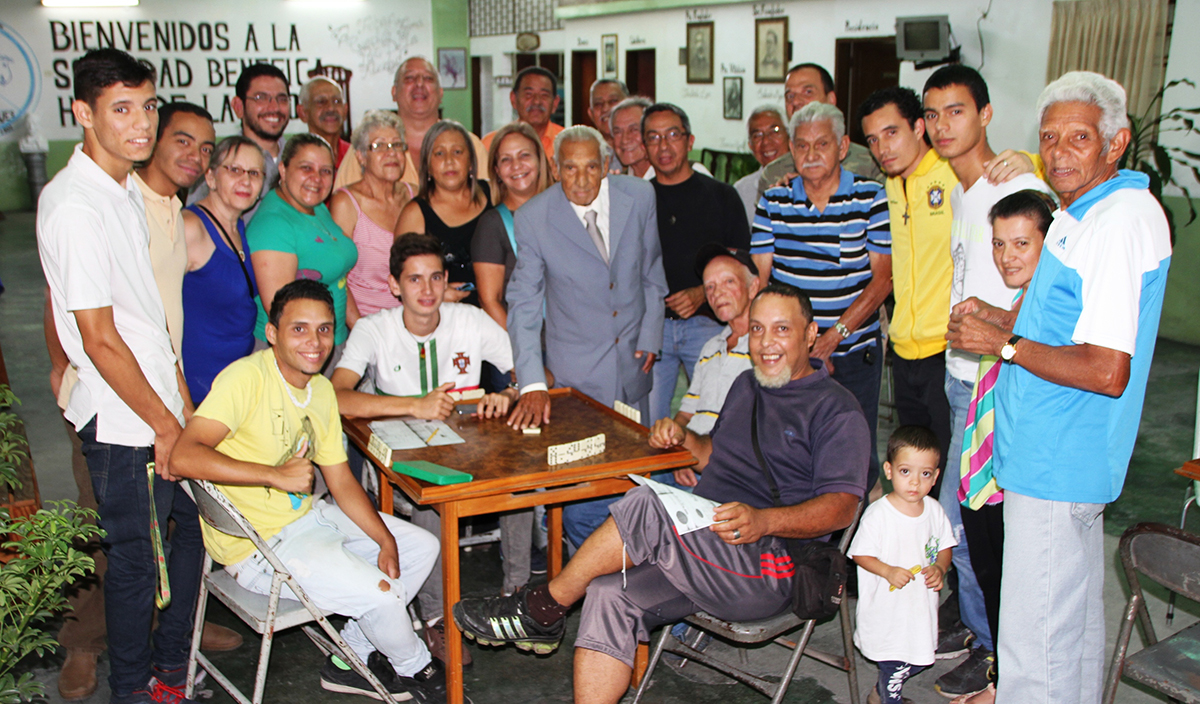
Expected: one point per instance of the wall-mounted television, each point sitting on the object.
(923, 38)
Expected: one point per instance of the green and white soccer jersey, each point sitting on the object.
(402, 364)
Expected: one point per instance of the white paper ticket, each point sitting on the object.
(687, 511)
(573, 451)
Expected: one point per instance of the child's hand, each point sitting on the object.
(898, 577)
(933, 577)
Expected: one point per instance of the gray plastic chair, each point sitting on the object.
(1170, 557)
(265, 614)
(769, 629)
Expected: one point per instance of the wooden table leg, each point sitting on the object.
(451, 591)
(554, 538)
(385, 494)
(641, 660)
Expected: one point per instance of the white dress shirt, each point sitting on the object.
(600, 205)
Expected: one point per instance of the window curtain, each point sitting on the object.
(1122, 39)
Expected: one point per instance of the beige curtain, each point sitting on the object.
(1122, 39)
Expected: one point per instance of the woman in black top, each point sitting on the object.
(449, 202)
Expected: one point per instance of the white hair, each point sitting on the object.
(1092, 89)
(819, 112)
(399, 76)
(371, 121)
(581, 133)
(767, 110)
(633, 101)
(306, 89)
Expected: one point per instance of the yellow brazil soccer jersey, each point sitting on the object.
(922, 268)
(268, 427)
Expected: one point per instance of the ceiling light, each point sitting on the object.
(89, 3)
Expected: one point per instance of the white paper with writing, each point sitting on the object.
(687, 511)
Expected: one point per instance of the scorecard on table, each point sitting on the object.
(389, 436)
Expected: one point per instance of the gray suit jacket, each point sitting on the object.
(596, 316)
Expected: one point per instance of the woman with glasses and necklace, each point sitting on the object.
(367, 210)
(449, 203)
(219, 288)
(292, 236)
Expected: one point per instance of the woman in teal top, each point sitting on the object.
(292, 235)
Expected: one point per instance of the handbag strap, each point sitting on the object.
(792, 544)
(762, 462)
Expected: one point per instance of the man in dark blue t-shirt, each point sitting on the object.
(639, 573)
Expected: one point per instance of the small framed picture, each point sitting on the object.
(733, 97)
(700, 52)
(608, 56)
(452, 68)
(770, 50)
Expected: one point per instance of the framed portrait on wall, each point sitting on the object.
(608, 56)
(770, 50)
(700, 52)
(733, 97)
(452, 68)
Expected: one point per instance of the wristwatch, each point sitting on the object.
(1009, 350)
(841, 329)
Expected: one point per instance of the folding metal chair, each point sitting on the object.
(265, 614)
(1170, 557)
(754, 632)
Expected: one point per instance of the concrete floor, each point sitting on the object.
(503, 676)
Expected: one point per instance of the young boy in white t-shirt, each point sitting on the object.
(902, 549)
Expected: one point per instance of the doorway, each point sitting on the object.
(639, 72)
(864, 65)
(583, 74)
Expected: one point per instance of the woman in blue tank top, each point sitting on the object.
(219, 289)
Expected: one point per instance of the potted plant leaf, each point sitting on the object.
(41, 556)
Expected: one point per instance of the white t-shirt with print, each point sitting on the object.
(975, 272)
(899, 625)
(402, 364)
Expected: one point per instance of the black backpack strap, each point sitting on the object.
(793, 544)
(762, 462)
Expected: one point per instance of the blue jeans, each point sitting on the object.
(123, 495)
(682, 342)
(971, 606)
(861, 373)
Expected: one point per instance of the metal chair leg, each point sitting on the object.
(654, 658)
(1189, 498)
(198, 628)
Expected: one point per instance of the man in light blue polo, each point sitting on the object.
(1069, 397)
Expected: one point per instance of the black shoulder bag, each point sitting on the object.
(820, 580)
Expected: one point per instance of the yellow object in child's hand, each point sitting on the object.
(915, 569)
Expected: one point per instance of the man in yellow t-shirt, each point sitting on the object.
(268, 420)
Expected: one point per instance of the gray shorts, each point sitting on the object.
(676, 576)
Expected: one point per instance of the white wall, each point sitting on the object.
(501, 49)
(371, 37)
(1015, 35)
(1184, 62)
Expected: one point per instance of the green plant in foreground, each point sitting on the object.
(44, 560)
(1160, 163)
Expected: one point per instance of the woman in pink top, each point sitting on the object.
(367, 210)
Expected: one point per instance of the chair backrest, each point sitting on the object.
(844, 543)
(1167, 555)
(341, 76)
(728, 166)
(218, 511)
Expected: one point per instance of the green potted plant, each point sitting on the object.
(1161, 163)
(41, 557)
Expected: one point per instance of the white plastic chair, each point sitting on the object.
(265, 614)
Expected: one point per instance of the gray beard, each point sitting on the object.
(777, 381)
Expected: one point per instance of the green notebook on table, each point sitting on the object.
(430, 472)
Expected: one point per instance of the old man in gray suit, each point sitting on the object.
(588, 249)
